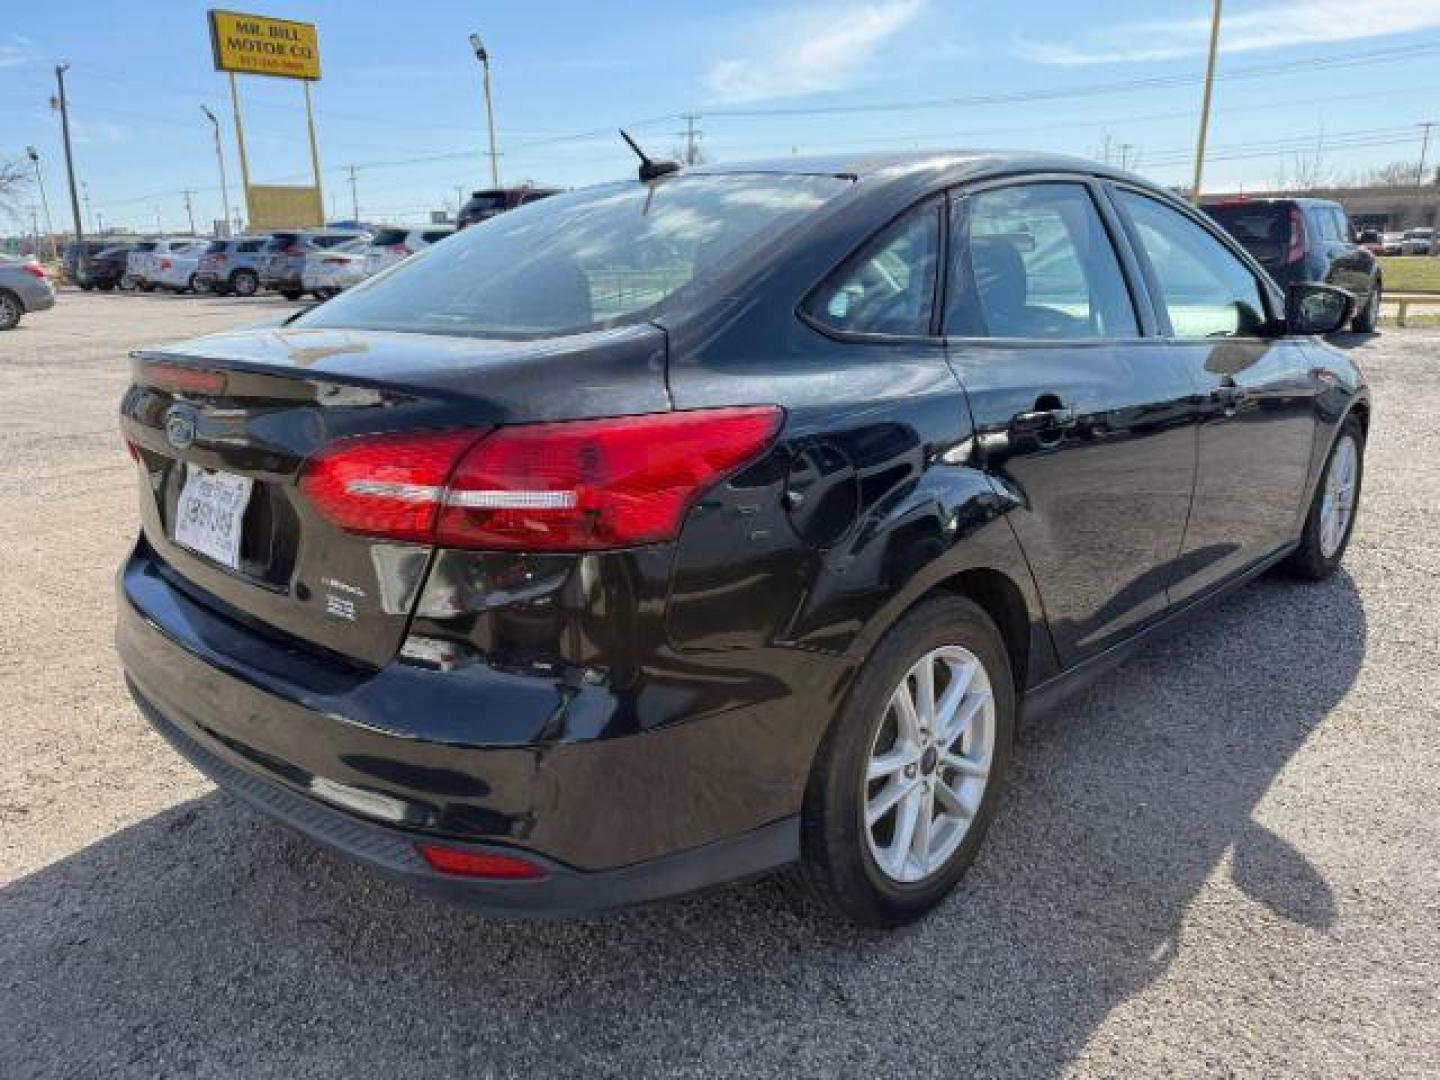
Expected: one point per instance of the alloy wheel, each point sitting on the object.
(929, 764)
(9, 311)
(1338, 505)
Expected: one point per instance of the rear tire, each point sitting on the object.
(889, 867)
(244, 283)
(1369, 316)
(292, 294)
(10, 310)
(1323, 543)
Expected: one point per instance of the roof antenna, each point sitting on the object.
(649, 170)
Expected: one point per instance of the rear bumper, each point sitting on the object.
(364, 763)
(42, 299)
(562, 891)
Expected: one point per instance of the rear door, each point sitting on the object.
(1257, 394)
(1081, 412)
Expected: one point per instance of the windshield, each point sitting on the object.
(581, 261)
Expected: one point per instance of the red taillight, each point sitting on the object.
(398, 249)
(219, 260)
(293, 249)
(165, 264)
(35, 270)
(1296, 251)
(335, 262)
(387, 485)
(578, 485)
(184, 380)
(478, 864)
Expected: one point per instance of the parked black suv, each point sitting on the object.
(1300, 240)
(669, 532)
(485, 204)
(75, 256)
(105, 268)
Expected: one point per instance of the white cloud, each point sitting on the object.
(811, 50)
(15, 51)
(1273, 26)
(97, 132)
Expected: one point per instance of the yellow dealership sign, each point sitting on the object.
(259, 45)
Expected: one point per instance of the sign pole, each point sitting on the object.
(240, 146)
(314, 152)
(1205, 104)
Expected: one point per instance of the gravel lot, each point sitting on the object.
(1221, 860)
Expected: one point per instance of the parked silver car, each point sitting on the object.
(1418, 242)
(231, 266)
(24, 287)
(390, 245)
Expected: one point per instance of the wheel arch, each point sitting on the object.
(1001, 599)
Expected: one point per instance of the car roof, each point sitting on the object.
(962, 164)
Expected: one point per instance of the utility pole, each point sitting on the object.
(354, 198)
(1424, 150)
(220, 157)
(60, 70)
(34, 157)
(691, 134)
(1205, 105)
(1125, 149)
(159, 228)
(1105, 153)
(190, 210)
(484, 57)
(35, 226)
(89, 213)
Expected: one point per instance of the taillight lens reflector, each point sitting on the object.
(35, 270)
(1296, 251)
(578, 485)
(478, 864)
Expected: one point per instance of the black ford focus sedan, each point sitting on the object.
(669, 532)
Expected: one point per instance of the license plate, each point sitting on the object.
(208, 516)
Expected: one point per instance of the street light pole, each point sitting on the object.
(1205, 104)
(220, 157)
(60, 70)
(34, 156)
(484, 58)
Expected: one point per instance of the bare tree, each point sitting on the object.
(14, 183)
(1395, 174)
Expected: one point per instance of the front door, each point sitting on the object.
(1081, 415)
(1257, 395)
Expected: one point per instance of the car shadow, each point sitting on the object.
(1350, 339)
(205, 940)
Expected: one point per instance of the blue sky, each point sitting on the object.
(766, 79)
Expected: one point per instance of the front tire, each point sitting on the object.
(1332, 510)
(244, 283)
(10, 310)
(292, 294)
(907, 779)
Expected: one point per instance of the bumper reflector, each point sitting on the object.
(478, 864)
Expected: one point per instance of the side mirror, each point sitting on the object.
(1317, 309)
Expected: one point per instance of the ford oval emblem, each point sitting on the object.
(179, 428)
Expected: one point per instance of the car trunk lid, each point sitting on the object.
(256, 406)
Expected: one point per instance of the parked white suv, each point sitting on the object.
(142, 264)
(391, 244)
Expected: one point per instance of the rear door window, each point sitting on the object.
(1207, 292)
(1035, 261)
(889, 286)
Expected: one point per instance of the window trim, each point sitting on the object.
(1274, 325)
(937, 203)
(1136, 287)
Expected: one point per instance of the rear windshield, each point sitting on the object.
(435, 235)
(146, 245)
(216, 245)
(387, 237)
(495, 201)
(1263, 229)
(585, 260)
(250, 245)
